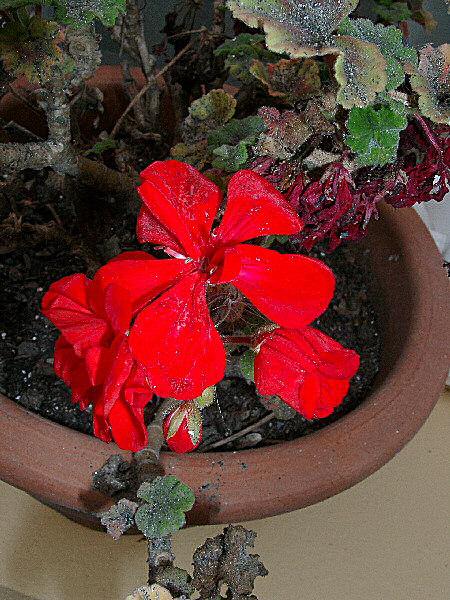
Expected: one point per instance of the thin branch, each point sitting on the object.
(239, 434)
(146, 87)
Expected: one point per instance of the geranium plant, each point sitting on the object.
(240, 146)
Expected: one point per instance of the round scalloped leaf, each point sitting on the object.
(167, 500)
(389, 41)
(360, 70)
(81, 12)
(217, 106)
(299, 28)
(432, 82)
(374, 134)
(31, 50)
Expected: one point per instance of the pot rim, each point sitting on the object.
(261, 482)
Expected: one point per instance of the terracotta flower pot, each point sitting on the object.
(410, 292)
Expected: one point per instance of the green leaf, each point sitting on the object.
(392, 12)
(297, 27)
(31, 50)
(291, 80)
(375, 135)
(119, 517)
(360, 70)
(230, 158)
(207, 398)
(101, 147)
(167, 500)
(206, 113)
(240, 53)
(247, 365)
(77, 12)
(432, 82)
(243, 130)
(81, 12)
(389, 41)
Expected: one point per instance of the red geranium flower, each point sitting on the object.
(93, 356)
(305, 368)
(174, 336)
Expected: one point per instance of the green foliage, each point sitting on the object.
(247, 365)
(207, 398)
(206, 113)
(431, 80)
(297, 27)
(281, 410)
(80, 12)
(240, 53)
(375, 134)
(392, 11)
(119, 517)
(290, 80)
(101, 147)
(229, 143)
(167, 500)
(389, 41)
(77, 12)
(30, 49)
(360, 70)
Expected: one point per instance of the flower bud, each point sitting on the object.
(183, 428)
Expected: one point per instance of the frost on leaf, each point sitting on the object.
(31, 50)
(167, 500)
(208, 112)
(240, 53)
(289, 80)
(286, 132)
(432, 82)
(389, 41)
(299, 28)
(80, 12)
(360, 70)
(225, 559)
(374, 134)
(119, 517)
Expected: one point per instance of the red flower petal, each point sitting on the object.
(180, 207)
(293, 364)
(118, 372)
(290, 289)
(143, 279)
(175, 339)
(254, 208)
(67, 306)
(127, 425)
(72, 370)
(225, 265)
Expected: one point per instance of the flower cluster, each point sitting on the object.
(142, 326)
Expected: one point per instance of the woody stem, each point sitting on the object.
(245, 340)
(147, 459)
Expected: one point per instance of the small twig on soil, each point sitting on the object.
(239, 434)
(177, 35)
(146, 87)
(55, 214)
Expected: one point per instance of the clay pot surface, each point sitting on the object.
(55, 464)
(410, 292)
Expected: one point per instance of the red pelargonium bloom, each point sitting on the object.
(174, 336)
(93, 357)
(305, 368)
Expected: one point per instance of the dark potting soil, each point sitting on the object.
(45, 240)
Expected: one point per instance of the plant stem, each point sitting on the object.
(147, 459)
(159, 556)
(146, 87)
(246, 340)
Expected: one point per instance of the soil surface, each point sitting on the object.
(46, 234)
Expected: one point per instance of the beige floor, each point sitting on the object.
(385, 539)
